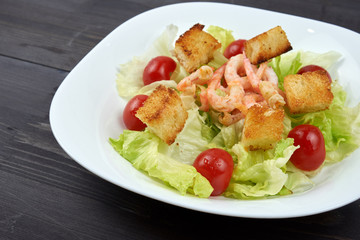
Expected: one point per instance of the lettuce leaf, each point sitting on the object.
(129, 78)
(341, 134)
(218, 61)
(298, 182)
(228, 136)
(224, 36)
(192, 140)
(148, 89)
(180, 176)
(171, 164)
(340, 125)
(260, 174)
(284, 65)
(291, 62)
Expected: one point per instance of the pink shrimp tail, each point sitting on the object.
(204, 101)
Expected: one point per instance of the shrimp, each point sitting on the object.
(235, 65)
(230, 118)
(251, 75)
(204, 100)
(232, 99)
(252, 98)
(259, 87)
(271, 94)
(270, 75)
(261, 71)
(200, 76)
(267, 90)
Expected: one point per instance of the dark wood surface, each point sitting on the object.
(44, 194)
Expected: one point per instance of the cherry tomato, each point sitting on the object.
(129, 118)
(311, 153)
(158, 68)
(216, 165)
(234, 48)
(313, 68)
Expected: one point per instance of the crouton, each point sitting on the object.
(263, 128)
(308, 92)
(164, 114)
(195, 47)
(267, 45)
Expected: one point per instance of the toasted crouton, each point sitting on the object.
(308, 92)
(263, 127)
(195, 47)
(267, 45)
(163, 113)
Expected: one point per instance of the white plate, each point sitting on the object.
(85, 109)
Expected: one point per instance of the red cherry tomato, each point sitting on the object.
(129, 118)
(311, 153)
(216, 165)
(234, 48)
(159, 68)
(313, 68)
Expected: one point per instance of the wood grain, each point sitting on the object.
(44, 194)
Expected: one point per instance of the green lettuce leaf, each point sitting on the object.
(143, 150)
(224, 36)
(148, 89)
(341, 134)
(192, 140)
(218, 61)
(259, 174)
(284, 65)
(291, 62)
(228, 136)
(298, 182)
(340, 125)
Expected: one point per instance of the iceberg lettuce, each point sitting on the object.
(192, 140)
(341, 134)
(129, 78)
(224, 36)
(143, 150)
(260, 174)
(171, 164)
(340, 125)
(291, 62)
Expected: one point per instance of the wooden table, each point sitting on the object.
(44, 194)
